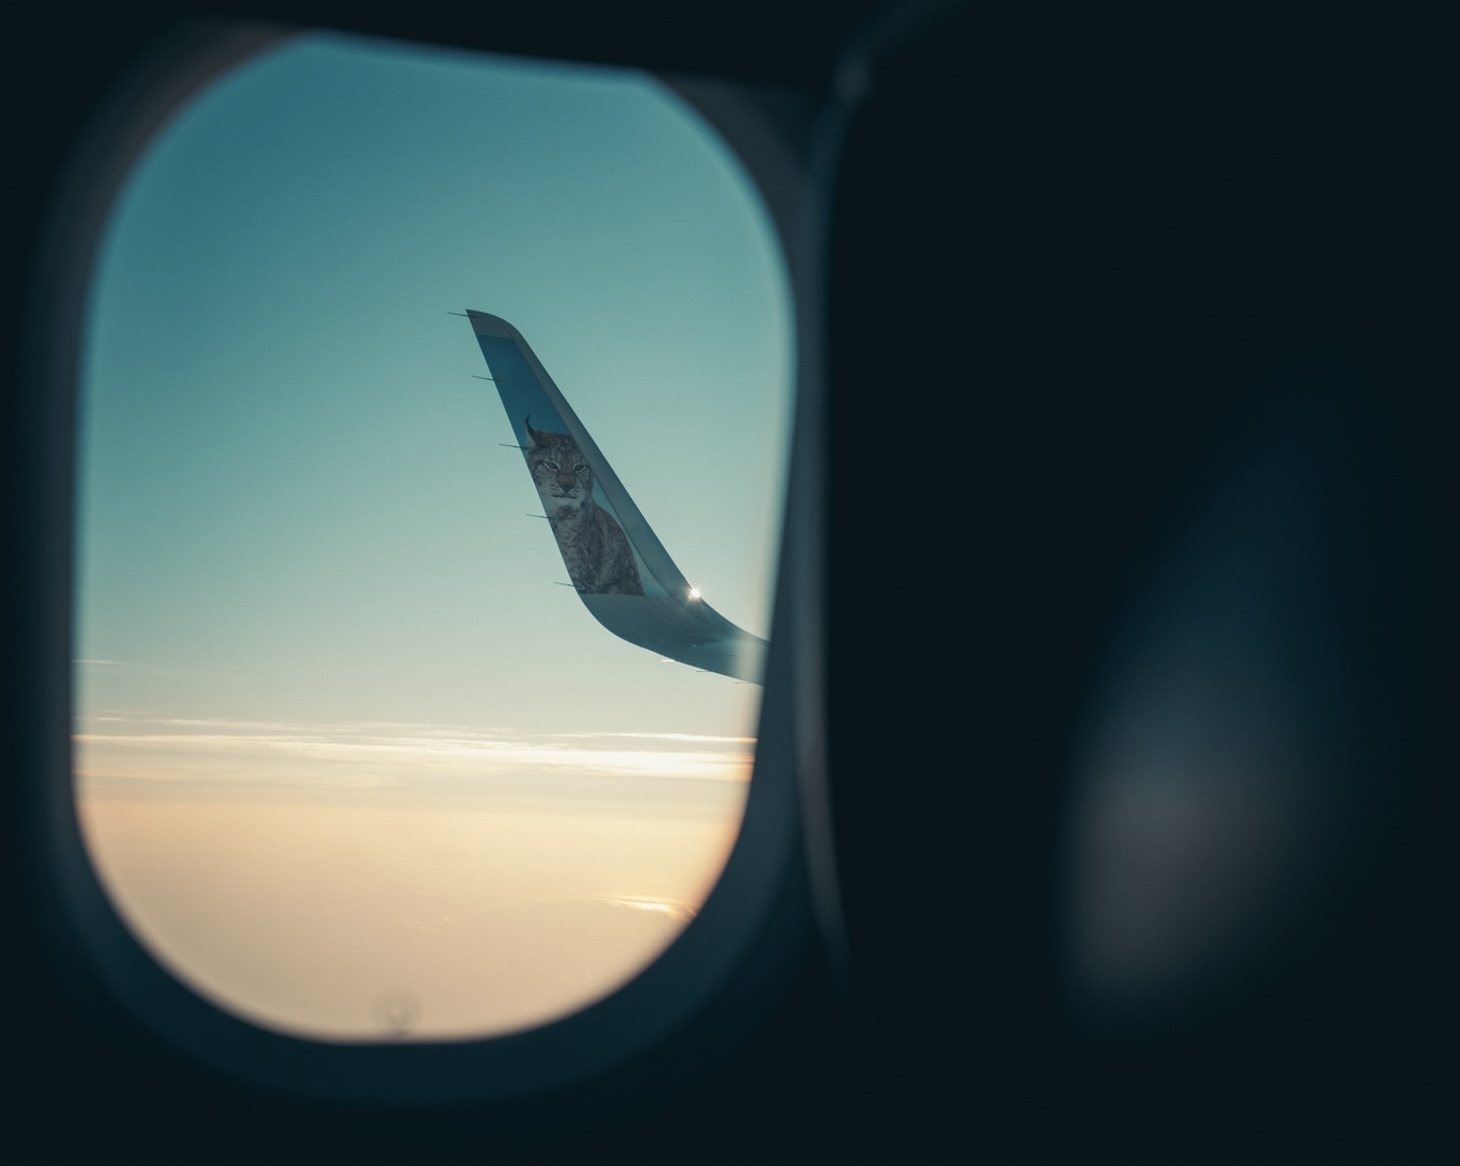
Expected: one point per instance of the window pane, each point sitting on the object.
(350, 763)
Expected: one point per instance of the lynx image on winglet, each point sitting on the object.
(617, 564)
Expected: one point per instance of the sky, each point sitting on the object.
(316, 625)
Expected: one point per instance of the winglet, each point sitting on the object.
(617, 564)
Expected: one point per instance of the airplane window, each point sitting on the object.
(362, 753)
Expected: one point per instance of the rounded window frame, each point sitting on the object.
(777, 888)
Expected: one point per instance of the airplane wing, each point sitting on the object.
(617, 564)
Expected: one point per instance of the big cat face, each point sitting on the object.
(562, 477)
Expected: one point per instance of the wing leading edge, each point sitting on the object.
(617, 564)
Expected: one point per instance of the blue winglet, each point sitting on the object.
(617, 564)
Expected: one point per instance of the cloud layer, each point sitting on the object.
(128, 753)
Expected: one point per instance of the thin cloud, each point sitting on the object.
(153, 669)
(212, 754)
(662, 737)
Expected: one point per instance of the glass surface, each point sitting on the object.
(350, 762)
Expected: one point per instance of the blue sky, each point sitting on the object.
(295, 508)
(342, 738)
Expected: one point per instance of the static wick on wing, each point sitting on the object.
(618, 566)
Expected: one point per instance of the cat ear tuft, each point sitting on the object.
(534, 436)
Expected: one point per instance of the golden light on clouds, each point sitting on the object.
(392, 881)
(119, 749)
